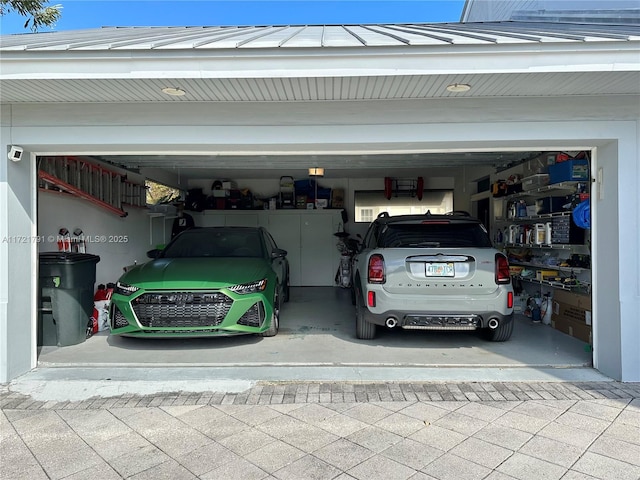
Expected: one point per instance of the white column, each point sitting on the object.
(18, 261)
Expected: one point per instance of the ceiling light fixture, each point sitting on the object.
(458, 87)
(174, 91)
(316, 172)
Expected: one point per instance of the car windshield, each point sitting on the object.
(216, 242)
(434, 235)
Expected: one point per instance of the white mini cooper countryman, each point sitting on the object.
(431, 272)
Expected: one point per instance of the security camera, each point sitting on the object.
(15, 153)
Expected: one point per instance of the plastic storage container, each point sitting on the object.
(66, 282)
(569, 171)
(535, 181)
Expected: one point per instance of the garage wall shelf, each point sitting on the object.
(561, 269)
(569, 187)
(96, 183)
(533, 218)
(560, 246)
(546, 239)
(582, 287)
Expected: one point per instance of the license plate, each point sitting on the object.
(440, 270)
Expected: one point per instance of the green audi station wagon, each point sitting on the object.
(206, 282)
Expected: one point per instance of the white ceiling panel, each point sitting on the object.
(319, 89)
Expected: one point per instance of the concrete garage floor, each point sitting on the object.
(316, 343)
(317, 329)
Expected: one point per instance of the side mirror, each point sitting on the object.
(155, 253)
(278, 253)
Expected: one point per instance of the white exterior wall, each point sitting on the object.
(126, 239)
(17, 258)
(497, 10)
(608, 124)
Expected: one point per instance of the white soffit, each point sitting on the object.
(320, 89)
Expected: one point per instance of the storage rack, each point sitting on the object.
(582, 283)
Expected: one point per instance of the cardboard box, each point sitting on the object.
(571, 314)
(577, 300)
(545, 274)
(515, 269)
(337, 198)
(575, 329)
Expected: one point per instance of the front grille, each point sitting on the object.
(118, 320)
(253, 317)
(441, 322)
(181, 309)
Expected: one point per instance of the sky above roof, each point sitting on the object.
(83, 14)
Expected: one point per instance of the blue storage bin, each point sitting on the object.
(569, 171)
(308, 187)
(303, 187)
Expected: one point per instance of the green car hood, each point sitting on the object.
(201, 272)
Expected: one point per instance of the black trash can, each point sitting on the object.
(66, 282)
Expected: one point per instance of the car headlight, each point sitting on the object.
(125, 289)
(253, 287)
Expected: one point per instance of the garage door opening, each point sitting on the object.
(529, 215)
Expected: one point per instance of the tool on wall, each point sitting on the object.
(405, 187)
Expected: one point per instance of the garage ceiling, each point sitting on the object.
(336, 166)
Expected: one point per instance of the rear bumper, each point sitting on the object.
(411, 320)
(438, 312)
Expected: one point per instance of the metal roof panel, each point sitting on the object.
(305, 36)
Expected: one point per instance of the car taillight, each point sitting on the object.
(376, 269)
(502, 269)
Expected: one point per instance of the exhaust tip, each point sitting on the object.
(391, 322)
(493, 324)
